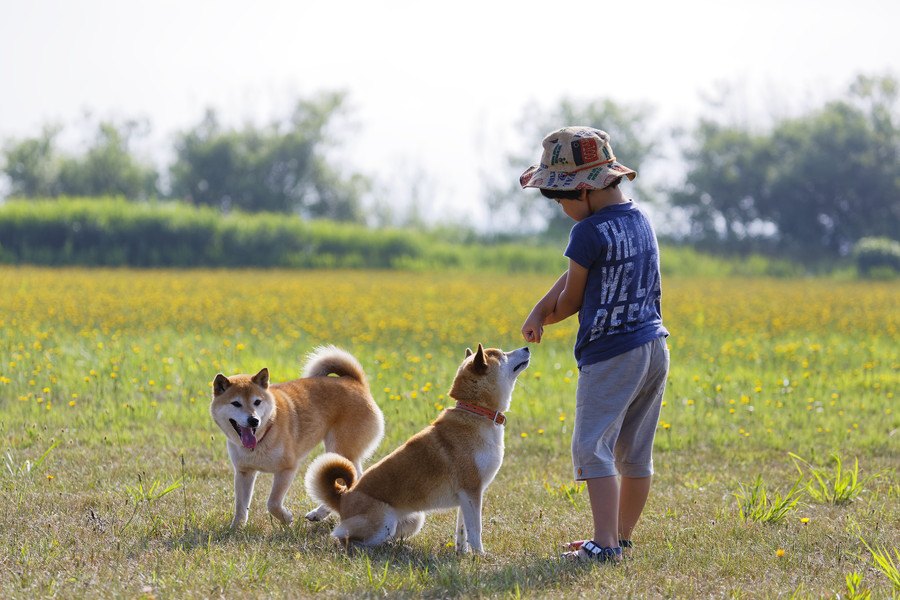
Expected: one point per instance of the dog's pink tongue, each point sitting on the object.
(247, 438)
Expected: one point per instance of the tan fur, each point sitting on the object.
(448, 464)
(293, 418)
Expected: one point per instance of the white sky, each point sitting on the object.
(435, 88)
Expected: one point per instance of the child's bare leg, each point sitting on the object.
(632, 498)
(604, 496)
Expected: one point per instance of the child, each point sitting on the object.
(613, 284)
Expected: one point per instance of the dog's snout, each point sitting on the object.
(252, 422)
(527, 351)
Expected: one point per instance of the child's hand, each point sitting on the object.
(532, 330)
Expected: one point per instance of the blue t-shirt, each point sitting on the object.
(621, 306)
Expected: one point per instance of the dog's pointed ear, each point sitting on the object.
(262, 378)
(479, 363)
(468, 352)
(220, 384)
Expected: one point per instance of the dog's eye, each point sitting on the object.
(236, 403)
(257, 402)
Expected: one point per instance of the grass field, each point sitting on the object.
(114, 480)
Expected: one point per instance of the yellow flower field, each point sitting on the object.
(105, 382)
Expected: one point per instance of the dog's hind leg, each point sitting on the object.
(470, 508)
(383, 532)
(345, 447)
(346, 443)
(280, 484)
(461, 544)
(243, 493)
(409, 525)
(356, 440)
(347, 531)
(320, 513)
(365, 531)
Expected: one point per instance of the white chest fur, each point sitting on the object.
(258, 459)
(489, 453)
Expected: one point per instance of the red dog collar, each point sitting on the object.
(494, 415)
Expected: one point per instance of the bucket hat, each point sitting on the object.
(576, 158)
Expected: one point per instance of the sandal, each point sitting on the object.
(624, 544)
(588, 550)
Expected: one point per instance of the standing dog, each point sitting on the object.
(272, 428)
(448, 464)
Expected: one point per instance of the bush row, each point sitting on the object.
(116, 233)
(877, 257)
(111, 232)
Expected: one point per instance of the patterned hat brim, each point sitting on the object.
(540, 176)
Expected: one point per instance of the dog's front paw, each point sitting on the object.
(319, 514)
(465, 548)
(239, 521)
(282, 514)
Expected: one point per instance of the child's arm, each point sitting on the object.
(572, 295)
(533, 328)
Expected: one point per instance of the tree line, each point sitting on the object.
(806, 187)
(278, 167)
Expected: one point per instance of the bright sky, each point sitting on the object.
(435, 88)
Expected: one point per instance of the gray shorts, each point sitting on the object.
(616, 412)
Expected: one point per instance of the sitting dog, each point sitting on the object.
(272, 428)
(448, 464)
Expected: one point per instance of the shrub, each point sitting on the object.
(115, 232)
(877, 257)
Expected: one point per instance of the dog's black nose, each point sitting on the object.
(252, 422)
(527, 351)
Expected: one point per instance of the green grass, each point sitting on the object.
(887, 564)
(855, 589)
(114, 480)
(840, 487)
(755, 503)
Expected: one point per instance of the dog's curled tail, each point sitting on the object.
(323, 476)
(326, 360)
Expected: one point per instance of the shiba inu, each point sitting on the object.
(448, 464)
(272, 428)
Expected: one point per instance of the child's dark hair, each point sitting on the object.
(574, 194)
(561, 194)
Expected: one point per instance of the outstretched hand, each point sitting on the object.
(533, 328)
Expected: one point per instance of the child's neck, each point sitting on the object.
(600, 199)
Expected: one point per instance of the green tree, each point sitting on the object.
(281, 167)
(810, 188)
(109, 168)
(726, 177)
(512, 207)
(37, 169)
(31, 165)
